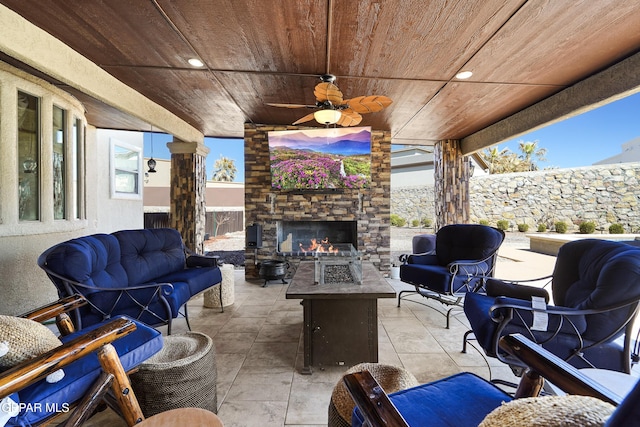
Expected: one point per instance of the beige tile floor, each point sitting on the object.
(258, 343)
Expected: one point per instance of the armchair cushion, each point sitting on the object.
(429, 259)
(433, 404)
(24, 339)
(423, 243)
(433, 275)
(466, 241)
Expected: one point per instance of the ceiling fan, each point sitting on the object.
(333, 109)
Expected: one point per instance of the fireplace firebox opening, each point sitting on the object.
(299, 237)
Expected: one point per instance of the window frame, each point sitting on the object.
(115, 193)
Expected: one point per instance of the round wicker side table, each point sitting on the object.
(183, 374)
(212, 296)
(391, 378)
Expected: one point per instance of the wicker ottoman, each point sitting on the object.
(183, 374)
(391, 378)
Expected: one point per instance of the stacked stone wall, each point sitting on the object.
(603, 194)
(413, 203)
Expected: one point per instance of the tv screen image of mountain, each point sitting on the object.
(320, 159)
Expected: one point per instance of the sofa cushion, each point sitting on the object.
(129, 303)
(150, 253)
(198, 279)
(133, 349)
(91, 260)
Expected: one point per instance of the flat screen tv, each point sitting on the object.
(320, 159)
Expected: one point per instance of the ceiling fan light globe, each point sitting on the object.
(327, 117)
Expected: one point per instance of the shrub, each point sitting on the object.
(426, 222)
(616, 229)
(503, 224)
(523, 227)
(561, 227)
(483, 222)
(542, 228)
(587, 227)
(397, 220)
(415, 223)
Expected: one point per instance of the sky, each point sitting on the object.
(588, 138)
(579, 141)
(232, 148)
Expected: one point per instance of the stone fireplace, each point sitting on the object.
(357, 216)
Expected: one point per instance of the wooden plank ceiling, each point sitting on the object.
(273, 51)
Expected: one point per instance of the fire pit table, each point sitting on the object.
(340, 319)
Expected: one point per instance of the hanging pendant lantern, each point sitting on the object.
(151, 163)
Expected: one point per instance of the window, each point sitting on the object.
(59, 157)
(76, 170)
(126, 164)
(28, 157)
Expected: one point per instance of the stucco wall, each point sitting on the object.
(24, 285)
(603, 194)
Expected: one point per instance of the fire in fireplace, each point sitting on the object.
(323, 246)
(316, 236)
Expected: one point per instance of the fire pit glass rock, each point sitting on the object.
(342, 265)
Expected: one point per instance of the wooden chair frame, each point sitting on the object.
(98, 341)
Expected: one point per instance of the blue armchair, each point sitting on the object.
(596, 292)
(465, 255)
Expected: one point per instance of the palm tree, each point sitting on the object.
(494, 157)
(224, 170)
(530, 149)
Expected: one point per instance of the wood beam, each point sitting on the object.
(616, 82)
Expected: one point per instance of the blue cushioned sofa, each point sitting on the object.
(146, 274)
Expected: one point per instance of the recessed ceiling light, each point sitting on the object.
(195, 62)
(464, 75)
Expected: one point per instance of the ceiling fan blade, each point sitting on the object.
(291, 105)
(306, 118)
(369, 104)
(328, 92)
(349, 118)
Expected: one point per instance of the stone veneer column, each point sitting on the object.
(188, 188)
(451, 176)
